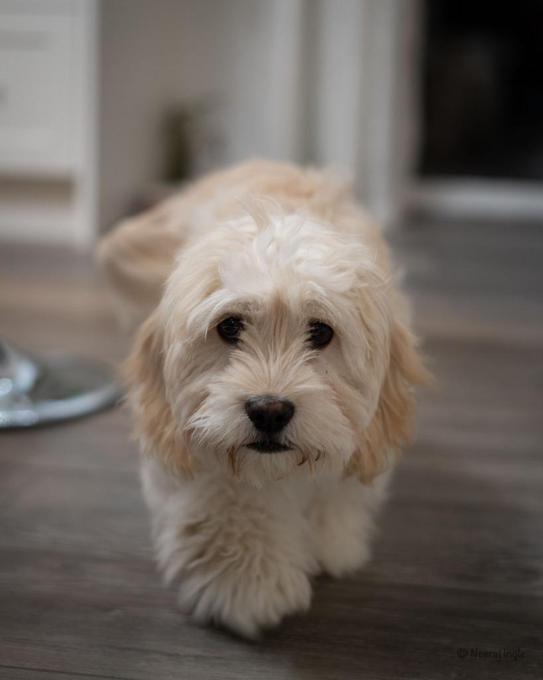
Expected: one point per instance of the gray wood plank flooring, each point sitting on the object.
(457, 575)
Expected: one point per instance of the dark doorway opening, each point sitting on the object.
(482, 108)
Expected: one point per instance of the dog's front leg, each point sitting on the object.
(242, 556)
(342, 516)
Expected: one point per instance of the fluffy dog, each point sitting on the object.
(272, 384)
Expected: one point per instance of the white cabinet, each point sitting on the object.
(48, 120)
(37, 93)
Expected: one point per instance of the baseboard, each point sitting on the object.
(477, 198)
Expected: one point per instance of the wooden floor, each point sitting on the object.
(456, 586)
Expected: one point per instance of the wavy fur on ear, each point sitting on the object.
(137, 257)
(392, 423)
(155, 424)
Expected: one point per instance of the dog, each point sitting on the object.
(272, 382)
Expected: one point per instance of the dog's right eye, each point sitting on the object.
(320, 334)
(230, 329)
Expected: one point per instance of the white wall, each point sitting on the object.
(262, 85)
(338, 55)
(245, 56)
(364, 62)
(327, 82)
(152, 54)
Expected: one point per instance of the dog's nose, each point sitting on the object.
(269, 414)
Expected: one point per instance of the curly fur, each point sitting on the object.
(277, 245)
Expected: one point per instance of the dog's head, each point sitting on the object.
(276, 349)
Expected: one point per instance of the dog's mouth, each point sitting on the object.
(268, 446)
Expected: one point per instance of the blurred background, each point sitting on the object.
(105, 105)
(434, 109)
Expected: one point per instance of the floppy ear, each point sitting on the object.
(155, 424)
(391, 425)
(137, 256)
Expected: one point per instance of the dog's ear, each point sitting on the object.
(155, 424)
(391, 425)
(137, 256)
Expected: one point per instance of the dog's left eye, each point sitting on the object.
(230, 329)
(320, 334)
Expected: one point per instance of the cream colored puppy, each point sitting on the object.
(272, 384)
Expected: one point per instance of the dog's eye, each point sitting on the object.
(320, 334)
(230, 329)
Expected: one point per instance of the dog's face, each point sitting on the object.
(275, 350)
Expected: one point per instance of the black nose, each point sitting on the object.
(269, 414)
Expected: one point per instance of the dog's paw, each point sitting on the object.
(342, 523)
(341, 537)
(340, 554)
(244, 599)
